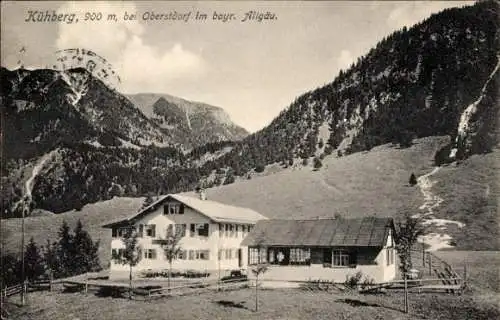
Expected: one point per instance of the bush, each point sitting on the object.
(317, 163)
(353, 281)
(260, 168)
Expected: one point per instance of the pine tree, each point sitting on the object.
(65, 252)
(147, 201)
(34, 263)
(86, 257)
(50, 257)
(317, 163)
(413, 180)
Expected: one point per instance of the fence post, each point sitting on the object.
(50, 281)
(406, 293)
(465, 276)
(430, 262)
(86, 283)
(423, 255)
(25, 291)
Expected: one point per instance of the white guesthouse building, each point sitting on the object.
(212, 233)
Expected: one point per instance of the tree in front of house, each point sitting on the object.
(408, 230)
(34, 263)
(259, 269)
(131, 254)
(171, 248)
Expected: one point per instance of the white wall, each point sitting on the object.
(212, 243)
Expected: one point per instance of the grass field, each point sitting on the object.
(274, 304)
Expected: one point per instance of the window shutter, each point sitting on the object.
(153, 230)
(141, 230)
(181, 208)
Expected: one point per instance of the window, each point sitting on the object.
(300, 256)
(150, 254)
(196, 255)
(180, 229)
(203, 230)
(141, 230)
(228, 254)
(182, 255)
(203, 254)
(231, 230)
(150, 230)
(226, 227)
(219, 254)
(118, 232)
(173, 208)
(390, 256)
(254, 257)
(221, 230)
(192, 229)
(340, 258)
(117, 253)
(243, 230)
(170, 230)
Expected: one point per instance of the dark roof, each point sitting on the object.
(363, 232)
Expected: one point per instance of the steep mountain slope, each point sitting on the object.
(415, 83)
(194, 123)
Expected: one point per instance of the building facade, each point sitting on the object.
(211, 235)
(324, 249)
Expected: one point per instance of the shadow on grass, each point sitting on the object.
(359, 303)
(231, 304)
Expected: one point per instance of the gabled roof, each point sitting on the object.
(362, 232)
(215, 211)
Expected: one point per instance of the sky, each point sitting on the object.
(251, 69)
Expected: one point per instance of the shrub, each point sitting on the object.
(317, 163)
(260, 168)
(352, 281)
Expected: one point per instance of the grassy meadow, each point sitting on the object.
(274, 304)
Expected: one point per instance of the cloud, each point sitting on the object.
(345, 59)
(141, 66)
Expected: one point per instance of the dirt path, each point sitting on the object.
(432, 201)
